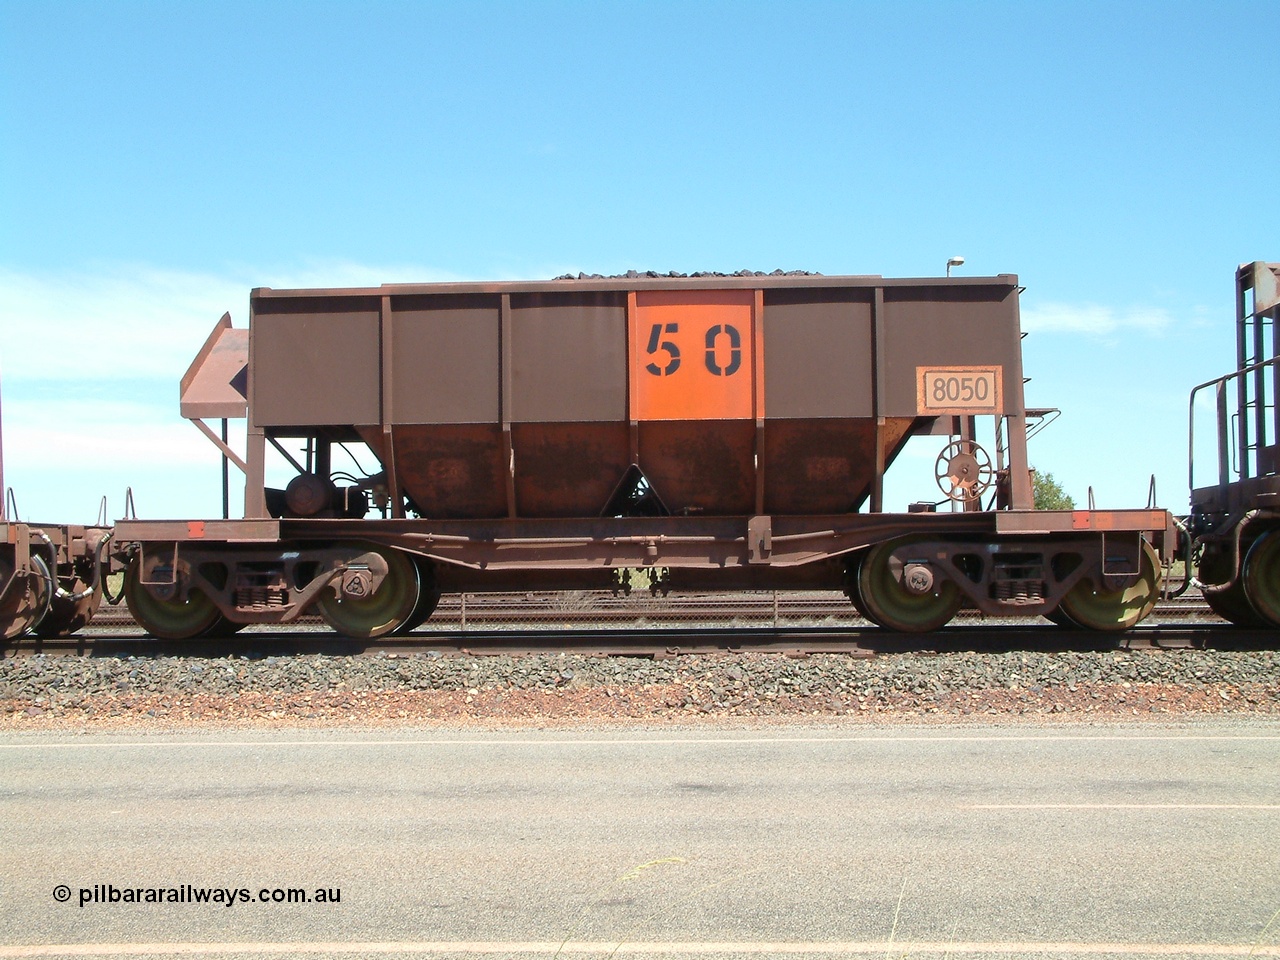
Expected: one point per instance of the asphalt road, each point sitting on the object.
(1055, 841)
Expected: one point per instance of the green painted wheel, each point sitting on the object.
(222, 628)
(26, 603)
(887, 602)
(384, 610)
(1261, 577)
(169, 619)
(1057, 617)
(428, 597)
(1232, 603)
(1120, 609)
(852, 576)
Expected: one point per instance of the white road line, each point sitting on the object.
(666, 949)
(642, 742)
(1122, 806)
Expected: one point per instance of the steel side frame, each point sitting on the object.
(759, 551)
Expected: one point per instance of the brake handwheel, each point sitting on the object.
(963, 471)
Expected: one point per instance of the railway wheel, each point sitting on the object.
(222, 628)
(1120, 609)
(26, 602)
(1261, 577)
(66, 615)
(1057, 617)
(387, 608)
(890, 604)
(851, 586)
(428, 597)
(1232, 603)
(173, 619)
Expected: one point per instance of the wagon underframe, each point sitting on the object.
(271, 571)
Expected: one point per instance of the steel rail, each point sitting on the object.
(559, 608)
(858, 642)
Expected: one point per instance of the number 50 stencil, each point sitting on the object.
(692, 355)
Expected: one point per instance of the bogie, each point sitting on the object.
(26, 601)
(357, 609)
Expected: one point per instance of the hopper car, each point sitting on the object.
(709, 431)
(1235, 503)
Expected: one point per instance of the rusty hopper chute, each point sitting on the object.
(215, 386)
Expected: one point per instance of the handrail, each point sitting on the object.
(1220, 383)
(1235, 373)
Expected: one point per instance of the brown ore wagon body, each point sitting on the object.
(716, 432)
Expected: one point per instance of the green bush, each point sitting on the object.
(1049, 494)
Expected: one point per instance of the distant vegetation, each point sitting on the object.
(1049, 493)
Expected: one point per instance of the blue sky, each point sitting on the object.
(158, 160)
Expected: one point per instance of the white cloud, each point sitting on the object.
(73, 435)
(125, 324)
(130, 321)
(63, 455)
(1094, 319)
(346, 273)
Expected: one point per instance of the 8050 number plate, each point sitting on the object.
(959, 390)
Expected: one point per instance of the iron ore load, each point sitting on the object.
(713, 432)
(1235, 509)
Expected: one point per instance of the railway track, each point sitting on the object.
(585, 608)
(660, 642)
(598, 623)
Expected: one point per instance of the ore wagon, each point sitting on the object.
(1235, 508)
(723, 432)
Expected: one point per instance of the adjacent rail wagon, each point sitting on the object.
(709, 431)
(1235, 508)
(50, 581)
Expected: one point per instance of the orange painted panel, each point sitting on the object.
(693, 355)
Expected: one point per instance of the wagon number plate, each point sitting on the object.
(967, 390)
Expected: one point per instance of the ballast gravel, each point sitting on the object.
(61, 691)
